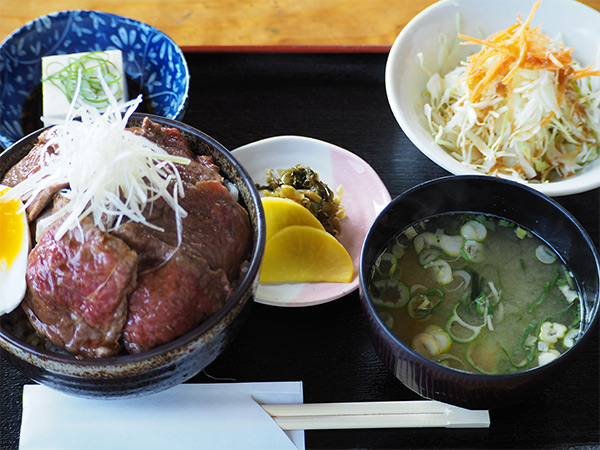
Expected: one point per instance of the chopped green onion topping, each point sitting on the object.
(473, 230)
(548, 285)
(429, 255)
(570, 338)
(451, 245)
(391, 293)
(422, 304)
(460, 331)
(549, 356)
(425, 345)
(90, 67)
(424, 240)
(387, 318)
(551, 332)
(443, 271)
(473, 251)
(386, 264)
(545, 255)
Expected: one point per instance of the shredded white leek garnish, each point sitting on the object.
(113, 175)
(521, 108)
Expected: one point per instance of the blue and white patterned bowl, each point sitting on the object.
(152, 61)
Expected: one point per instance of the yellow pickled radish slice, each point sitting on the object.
(300, 253)
(281, 213)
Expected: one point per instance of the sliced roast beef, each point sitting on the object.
(91, 290)
(78, 289)
(30, 164)
(216, 229)
(179, 286)
(201, 167)
(172, 299)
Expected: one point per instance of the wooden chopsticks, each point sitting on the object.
(405, 414)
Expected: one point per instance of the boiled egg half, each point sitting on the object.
(14, 249)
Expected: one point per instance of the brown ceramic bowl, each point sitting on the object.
(166, 365)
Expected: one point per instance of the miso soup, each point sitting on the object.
(476, 293)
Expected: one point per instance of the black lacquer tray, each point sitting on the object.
(339, 97)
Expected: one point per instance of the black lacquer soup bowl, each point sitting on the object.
(489, 196)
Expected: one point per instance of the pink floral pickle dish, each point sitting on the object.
(364, 197)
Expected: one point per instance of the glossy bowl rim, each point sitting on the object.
(401, 346)
(156, 353)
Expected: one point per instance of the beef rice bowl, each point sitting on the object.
(120, 272)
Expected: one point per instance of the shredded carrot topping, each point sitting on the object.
(520, 107)
(517, 47)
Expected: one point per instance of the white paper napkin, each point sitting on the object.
(188, 416)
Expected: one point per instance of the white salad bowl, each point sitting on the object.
(568, 21)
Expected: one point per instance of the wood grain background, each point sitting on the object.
(197, 23)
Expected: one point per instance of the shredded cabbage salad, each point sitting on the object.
(519, 108)
(112, 174)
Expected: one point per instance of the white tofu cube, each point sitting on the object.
(55, 103)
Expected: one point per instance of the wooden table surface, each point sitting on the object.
(207, 23)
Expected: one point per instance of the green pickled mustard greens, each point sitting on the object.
(302, 184)
(89, 67)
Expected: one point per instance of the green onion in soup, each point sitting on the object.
(476, 293)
